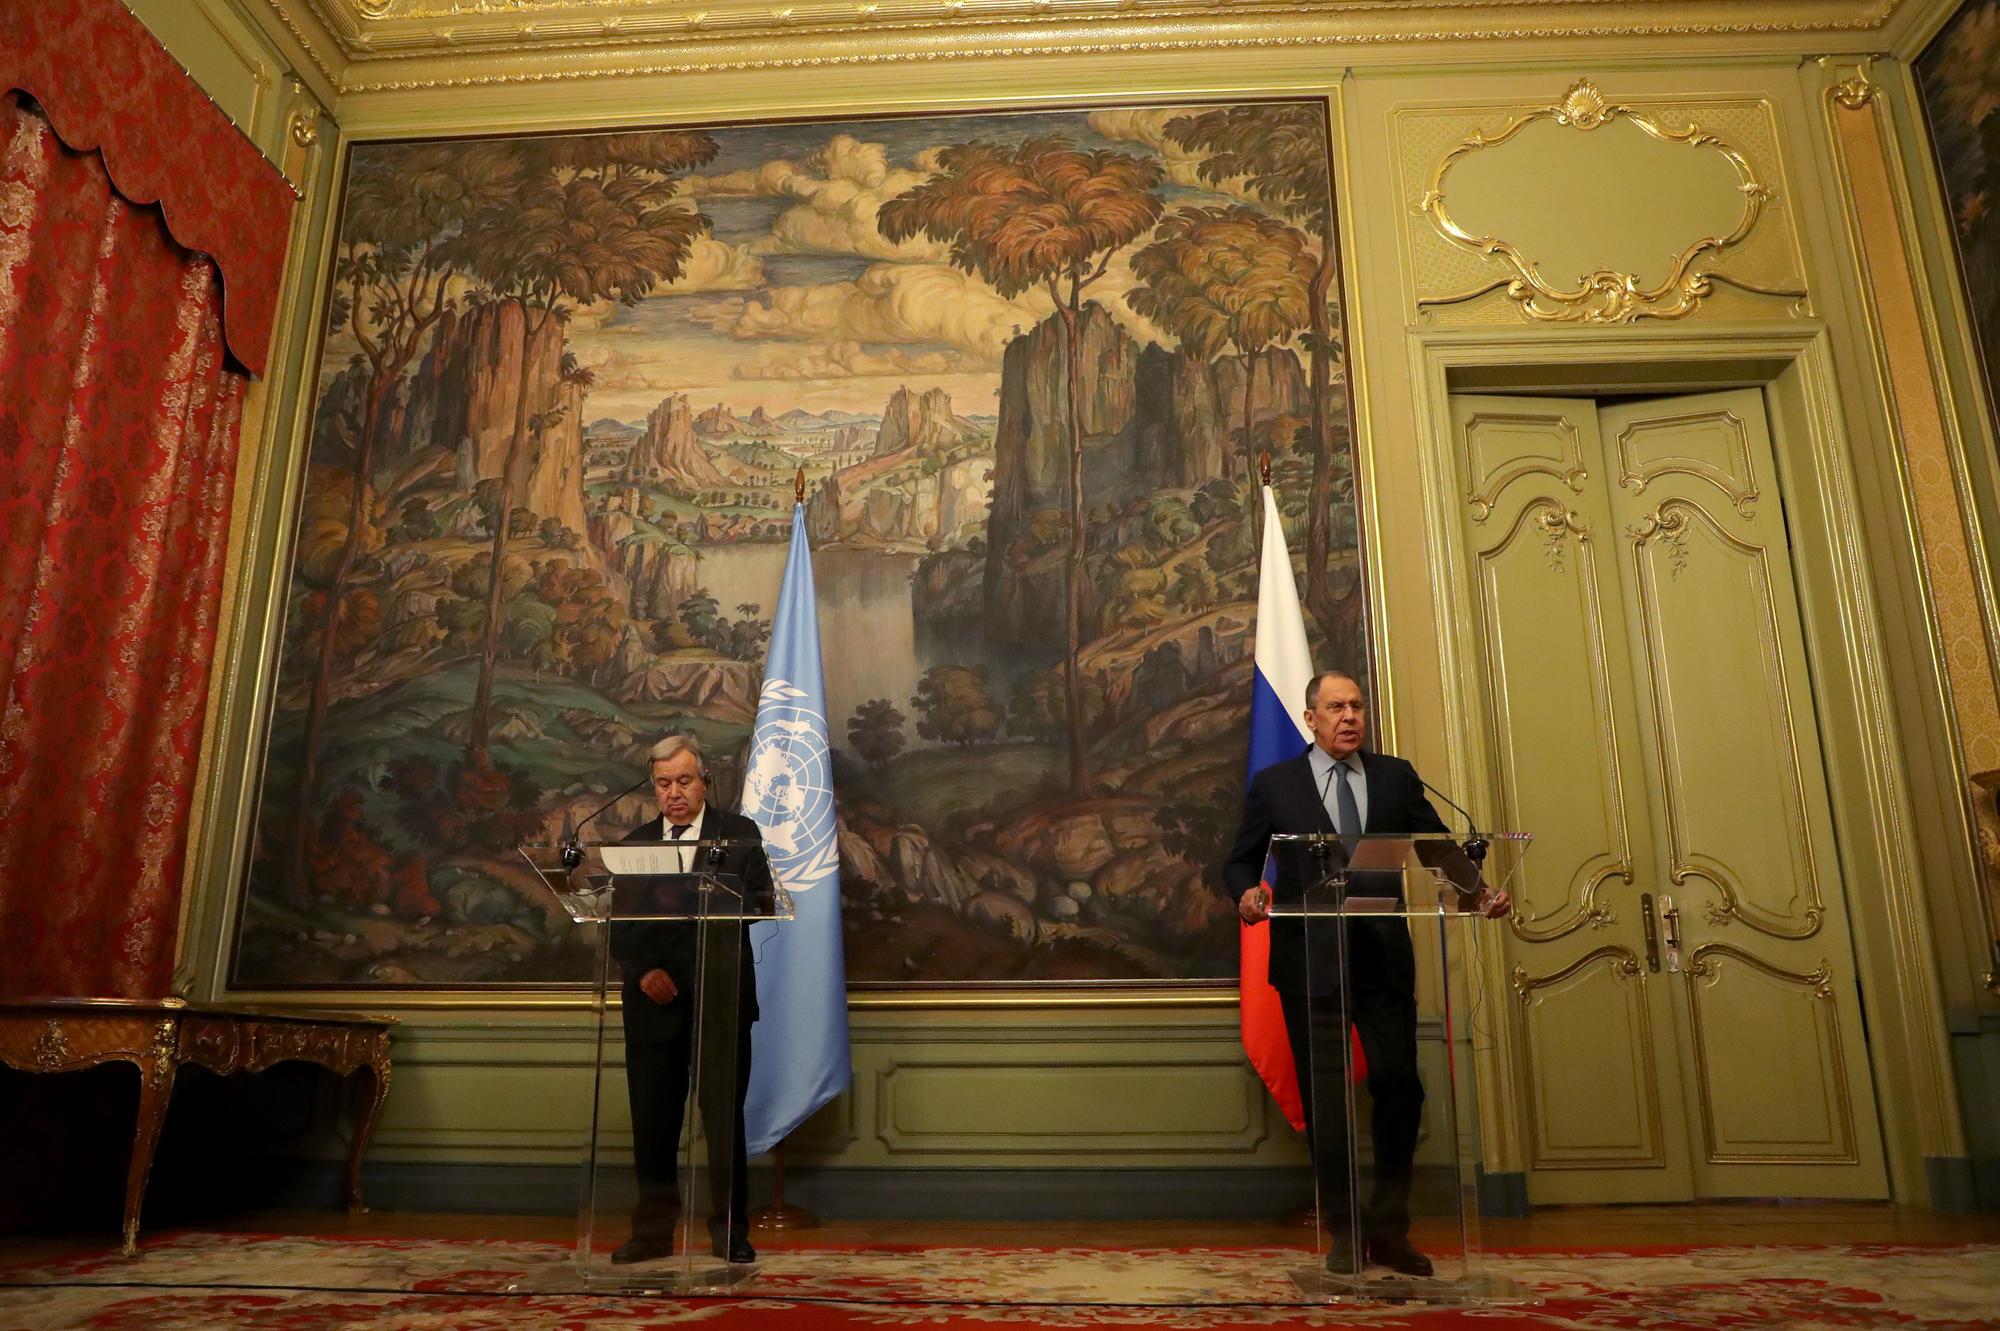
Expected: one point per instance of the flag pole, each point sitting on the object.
(781, 1216)
(1307, 1214)
(1264, 475)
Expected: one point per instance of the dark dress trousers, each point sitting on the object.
(1379, 981)
(660, 1047)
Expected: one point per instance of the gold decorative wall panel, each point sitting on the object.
(1543, 571)
(1723, 715)
(931, 1104)
(1548, 205)
(1537, 564)
(1599, 1112)
(1960, 598)
(1504, 447)
(1709, 446)
(1746, 1014)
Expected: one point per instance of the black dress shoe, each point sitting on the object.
(1342, 1260)
(737, 1252)
(1398, 1256)
(637, 1249)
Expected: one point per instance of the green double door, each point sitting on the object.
(1685, 1019)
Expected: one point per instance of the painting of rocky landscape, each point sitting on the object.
(1959, 77)
(1026, 365)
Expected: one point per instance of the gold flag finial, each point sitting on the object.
(799, 487)
(1264, 465)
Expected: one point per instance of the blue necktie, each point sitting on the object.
(1348, 821)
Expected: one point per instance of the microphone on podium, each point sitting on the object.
(1474, 844)
(572, 853)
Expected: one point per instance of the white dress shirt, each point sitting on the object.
(693, 834)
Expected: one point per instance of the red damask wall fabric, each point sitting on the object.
(118, 432)
(106, 84)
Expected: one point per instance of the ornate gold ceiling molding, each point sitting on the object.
(431, 26)
(405, 45)
(312, 38)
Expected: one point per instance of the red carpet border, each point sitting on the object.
(210, 1282)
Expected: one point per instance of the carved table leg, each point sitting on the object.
(375, 1089)
(156, 1087)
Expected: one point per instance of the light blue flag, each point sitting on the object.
(799, 1057)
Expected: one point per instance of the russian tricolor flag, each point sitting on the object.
(1277, 732)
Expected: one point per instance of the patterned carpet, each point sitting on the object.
(210, 1282)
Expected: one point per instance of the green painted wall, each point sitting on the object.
(1073, 1085)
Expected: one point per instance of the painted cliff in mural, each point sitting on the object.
(1026, 364)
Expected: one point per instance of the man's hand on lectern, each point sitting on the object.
(1255, 905)
(657, 985)
(1493, 903)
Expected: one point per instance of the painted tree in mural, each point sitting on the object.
(1279, 151)
(1044, 214)
(597, 219)
(875, 731)
(1219, 276)
(394, 279)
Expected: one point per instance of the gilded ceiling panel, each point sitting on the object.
(374, 45)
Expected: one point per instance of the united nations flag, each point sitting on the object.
(799, 1057)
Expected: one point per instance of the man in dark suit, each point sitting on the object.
(1334, 787)
(660, 962)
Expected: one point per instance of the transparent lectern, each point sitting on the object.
(660, 1197)
(1385, 945)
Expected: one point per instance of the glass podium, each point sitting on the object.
(1375, 940)
(663, 1183)
(1390, 936)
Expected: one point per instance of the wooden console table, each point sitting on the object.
(156, 1036)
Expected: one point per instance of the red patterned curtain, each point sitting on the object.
(120, 402)
(118, 420)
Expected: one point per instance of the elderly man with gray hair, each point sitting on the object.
(658, 963)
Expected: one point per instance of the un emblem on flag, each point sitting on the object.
(788, 787)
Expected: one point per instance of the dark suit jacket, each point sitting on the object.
(675, 948)
(1284, 798)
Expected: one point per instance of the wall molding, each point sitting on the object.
(390, 46)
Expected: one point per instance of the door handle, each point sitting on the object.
(1670, 916)
(1652, 932)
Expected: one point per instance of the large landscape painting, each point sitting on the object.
(1027, 364)
(1959, 76)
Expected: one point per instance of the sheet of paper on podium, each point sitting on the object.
(654, 859)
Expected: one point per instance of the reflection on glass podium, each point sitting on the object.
(1392, 933)
(1392, 939)
(662, 1195)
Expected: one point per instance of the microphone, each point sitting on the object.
(572, 854)
(1475, 844)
